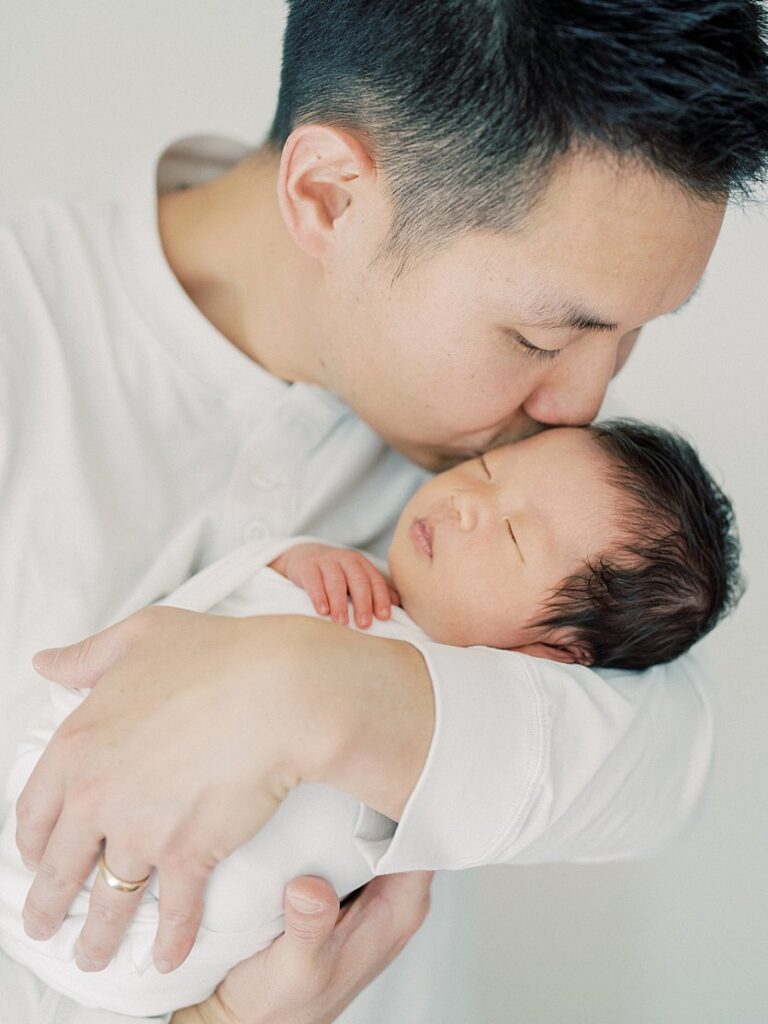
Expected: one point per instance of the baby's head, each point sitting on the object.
(606, 545)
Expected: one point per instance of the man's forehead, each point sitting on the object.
(591, 256)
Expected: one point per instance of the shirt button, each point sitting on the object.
(262, 479)
(257, 529)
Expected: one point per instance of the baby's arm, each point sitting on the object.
(331, 576)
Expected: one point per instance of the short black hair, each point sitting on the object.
(678, 573)
(466, 104)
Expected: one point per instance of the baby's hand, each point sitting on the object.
(332, 575)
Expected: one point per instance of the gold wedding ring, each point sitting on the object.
(115, 882)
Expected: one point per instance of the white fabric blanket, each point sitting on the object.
(314, 832)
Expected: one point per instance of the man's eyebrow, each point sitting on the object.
(571, 317)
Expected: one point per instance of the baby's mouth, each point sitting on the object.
(421, 534)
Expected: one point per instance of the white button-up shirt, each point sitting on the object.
(137, 445)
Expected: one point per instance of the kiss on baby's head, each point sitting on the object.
(608, 545)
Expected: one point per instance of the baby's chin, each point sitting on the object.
(414, 606)
(449, 626)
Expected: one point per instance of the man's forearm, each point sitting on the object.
(364, 710)
(288, 698)
(361, 718)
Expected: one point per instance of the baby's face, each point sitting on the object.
(479, 549)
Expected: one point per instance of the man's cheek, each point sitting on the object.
(626, 345)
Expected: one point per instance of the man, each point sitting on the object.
(479, 206)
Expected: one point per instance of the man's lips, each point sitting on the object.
(420, 533)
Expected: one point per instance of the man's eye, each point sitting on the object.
(544, 355)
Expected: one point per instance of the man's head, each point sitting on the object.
(477, 179)
(466, 105)
(609, 545)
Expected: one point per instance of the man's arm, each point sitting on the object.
(530, 761)
(270, 702)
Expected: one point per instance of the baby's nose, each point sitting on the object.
(465, 507)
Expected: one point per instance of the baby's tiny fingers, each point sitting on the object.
(394, 596)
(360, 592)
(336, 588)
(312, 582)
(382, 601)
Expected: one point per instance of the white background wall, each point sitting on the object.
(87, 85)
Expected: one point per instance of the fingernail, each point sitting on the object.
(29, 865)
(164, 966)
(37, 659)
(36, 931)
(323, 609)
(304, 905)
(86, 964)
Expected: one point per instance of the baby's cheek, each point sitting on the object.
(444, 620)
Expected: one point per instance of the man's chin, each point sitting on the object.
(437, 457)
(435, 460)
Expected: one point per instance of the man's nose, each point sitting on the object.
(572, 391)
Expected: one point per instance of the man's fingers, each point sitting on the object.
(391, 908)
(325, 958)
(181, 911)
(66, 864)
(311, 910)
(37, 811)
(84, 663)
(109, 913)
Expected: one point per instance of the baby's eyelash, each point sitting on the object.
(514, 538)
(484, 464)
(543, 355)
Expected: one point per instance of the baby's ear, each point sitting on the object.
(569, 654)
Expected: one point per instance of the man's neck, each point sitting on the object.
(229, 248)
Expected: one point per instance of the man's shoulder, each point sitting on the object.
(194, 159)
(49, 255)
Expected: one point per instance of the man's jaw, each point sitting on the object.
(437, 458)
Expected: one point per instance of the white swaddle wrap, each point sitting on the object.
(313, 832)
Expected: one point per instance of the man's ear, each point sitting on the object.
(322, 171)
(569, 654)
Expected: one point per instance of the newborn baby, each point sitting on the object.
(607, 545)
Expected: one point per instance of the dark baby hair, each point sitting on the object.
(677, 575)
(466, 104)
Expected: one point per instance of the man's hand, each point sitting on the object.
(161, 761)
(196, 729)
(332, 576)
(324, 959)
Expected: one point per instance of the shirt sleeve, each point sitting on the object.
(532, 761)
